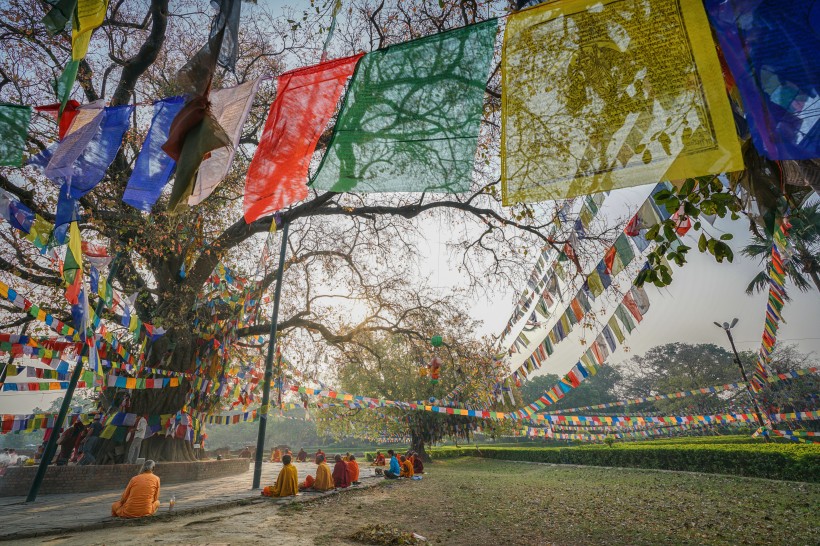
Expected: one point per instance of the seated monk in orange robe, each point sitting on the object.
(324, 479)
(276, 456)
(379, 460)
(406, 468)
(353, 469)
(287, 484)
(141, 496)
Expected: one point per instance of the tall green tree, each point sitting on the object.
(803, 270)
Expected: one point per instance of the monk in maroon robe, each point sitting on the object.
(341, 473)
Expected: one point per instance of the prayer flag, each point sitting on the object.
(58, 16)
(87, 17)
(16, 213)
(228, 19)
(305, 101)
(67, 211)
(624, 254)
(64, 120)
(599, 95)
(82, 158)
(73, 265)
(230, 107)
(411, 117)
(153, 166)
(14, 122)
(771, 48)
(64, 84)
(193, 134)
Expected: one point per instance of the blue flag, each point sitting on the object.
(153, 167)
(90, 167)
(67, 212)
(771, 47)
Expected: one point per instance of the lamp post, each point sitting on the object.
(274, 326)
(728, 329)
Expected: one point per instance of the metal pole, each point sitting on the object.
(274, 324)
(748, 389)
(51, 445)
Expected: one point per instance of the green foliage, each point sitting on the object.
(798, 462)
(702, 196)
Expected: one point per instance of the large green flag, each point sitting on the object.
(410, 120)
(14, 120)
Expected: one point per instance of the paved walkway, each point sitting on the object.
(55, 514)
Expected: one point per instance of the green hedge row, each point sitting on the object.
(775, 461)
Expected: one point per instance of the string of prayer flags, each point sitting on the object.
(14, 120)
(774, 305)
(153, 166)
(684, 394)
(34, 311)
(305, 101)
(410, 119)
(230, 107)
(88, 15)
(771, 50)
(194, 133)
(584, 110)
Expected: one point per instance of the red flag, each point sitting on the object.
(65, 120)
(305, 101)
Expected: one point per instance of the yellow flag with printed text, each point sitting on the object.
(604, 94)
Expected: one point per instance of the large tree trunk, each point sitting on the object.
(417, 445)
(166, 401)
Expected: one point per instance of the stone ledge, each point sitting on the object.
(84, 479)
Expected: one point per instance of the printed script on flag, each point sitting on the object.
(603, 95)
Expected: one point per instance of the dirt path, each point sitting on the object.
(482, 502)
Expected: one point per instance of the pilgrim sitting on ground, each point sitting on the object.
(323, 480)
(341, 474)
(406, 468)
(141, 496)
(353, 468)
(287, 483)
(379, 460)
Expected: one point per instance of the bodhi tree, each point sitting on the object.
(390, 367)
(201, 273)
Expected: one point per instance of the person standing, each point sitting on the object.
(92, 436)
(140, 428)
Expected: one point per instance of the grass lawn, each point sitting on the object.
(470, 501)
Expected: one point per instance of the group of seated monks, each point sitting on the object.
(345, 473)
(404, 466)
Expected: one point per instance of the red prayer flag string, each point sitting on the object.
(305, 101)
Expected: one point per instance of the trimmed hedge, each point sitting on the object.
(776, 461)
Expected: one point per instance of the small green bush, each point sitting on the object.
(798, 462)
